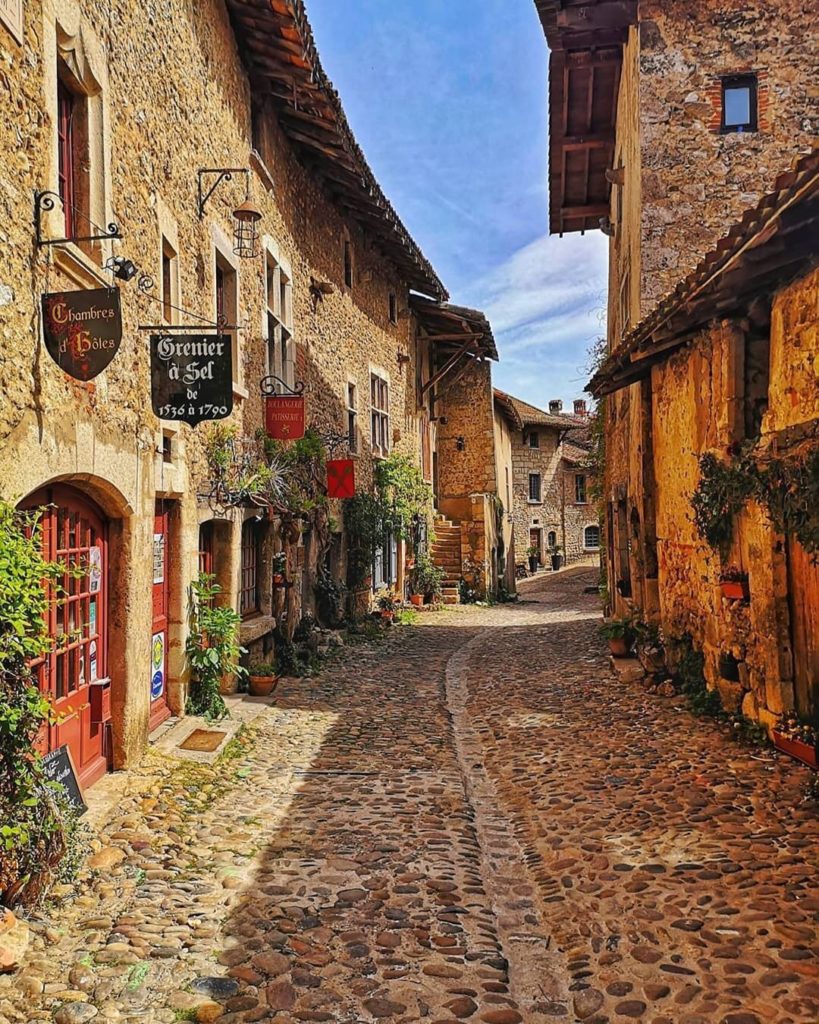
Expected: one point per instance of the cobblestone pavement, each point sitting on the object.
(467, 821)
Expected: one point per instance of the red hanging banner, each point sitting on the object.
(340, 478)
(284, 417)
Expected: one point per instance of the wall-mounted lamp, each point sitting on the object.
(245, 217)
(404, 358)
(606, 226)
(460, 443)
(122, 268)
(318, 289)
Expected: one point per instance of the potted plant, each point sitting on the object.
(797, 738)
(620, 635)
(213, 650)
(733, 583)
(649, 646)
(279, 567)
(262, 678)
(426, 580)
(556, 556)
(387, 602)
(533, 555)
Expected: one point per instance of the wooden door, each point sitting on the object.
(803, 589)
(160, 710)
(535, 542)
(75, 534)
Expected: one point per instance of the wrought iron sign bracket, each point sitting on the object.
(44, 202)
(223, 174)
(273, 385)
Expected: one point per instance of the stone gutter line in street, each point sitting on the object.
(536, 972)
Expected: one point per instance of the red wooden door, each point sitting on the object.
(160, 710)
(803, 590)
(75, 534)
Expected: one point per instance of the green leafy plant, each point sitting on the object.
(261, 668)
(387, 600)
(689, 677)
(329, 596)
(533, 552)
(279, 563)
(619, 629)
(212, 648)
(721, 494)
(426, 577)
(406, 617)
(37, 827)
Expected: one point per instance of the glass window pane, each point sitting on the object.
(738, 105)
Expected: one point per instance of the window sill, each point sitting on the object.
(82, 270)
(534, 501)
(255, 626)
(240, 392)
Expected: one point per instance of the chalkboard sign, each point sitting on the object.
(59, 768)
(191, 377)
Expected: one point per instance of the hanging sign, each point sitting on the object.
(284, 417)
(191, 377)
(58, 767)
(340, 478)
(82, 330)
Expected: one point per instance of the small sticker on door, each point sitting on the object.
(157, 666)
(159, 558)
(94, 570)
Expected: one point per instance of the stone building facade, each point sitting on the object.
(731, 362)
(666, 122)
(552, 481)
(116, 119)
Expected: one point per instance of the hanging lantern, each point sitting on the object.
(246, 230)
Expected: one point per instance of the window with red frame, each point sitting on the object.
(66, 171)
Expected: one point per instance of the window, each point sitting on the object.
(348, 263)
(591, 538)
(534, 439)
(385, 563)
(379, 415)
(170, 297)
(227, 306)
(66, 170)
(206, 547)
(251, 552)
(551, 538)
(279, 322)
(739, 106)
(352, 417)
(508, 492)
(534, 487)
(580, 489)
(393, 308)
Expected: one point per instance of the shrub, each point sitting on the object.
(212, 648)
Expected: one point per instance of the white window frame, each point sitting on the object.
(539, 499)
(351, 404)
(222, 255)
(380, 437)
(592, 526)
(277, 325)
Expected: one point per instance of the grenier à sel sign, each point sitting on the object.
(191, 377)
(82, 330)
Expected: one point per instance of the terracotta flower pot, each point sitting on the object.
(618, 647)
(735, 590)
(804, 752)
(262, 686)
(278, 579)
(417, 600)
(389, 616)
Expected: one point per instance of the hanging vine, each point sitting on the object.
(788, 489)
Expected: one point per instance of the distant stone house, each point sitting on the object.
(552, 480)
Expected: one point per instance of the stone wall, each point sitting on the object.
(466, 442)
(696, 394)
(170, 95)
(695, 180)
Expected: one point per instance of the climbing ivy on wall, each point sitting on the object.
(788, 489)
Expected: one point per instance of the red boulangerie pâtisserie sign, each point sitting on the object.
(284, 417)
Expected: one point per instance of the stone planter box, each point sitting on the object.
(804, 752)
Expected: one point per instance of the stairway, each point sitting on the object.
(446, 554)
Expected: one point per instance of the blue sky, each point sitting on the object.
(448, 100)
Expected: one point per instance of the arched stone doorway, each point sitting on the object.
(75, 671)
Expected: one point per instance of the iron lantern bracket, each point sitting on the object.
(273, 385)
(223, 174)
(44, 202)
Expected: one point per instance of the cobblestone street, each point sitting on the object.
(469, 820)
